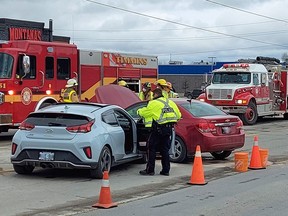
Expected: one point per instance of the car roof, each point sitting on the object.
(75, 108)
(117, 95)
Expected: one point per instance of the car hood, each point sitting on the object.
(117, 95)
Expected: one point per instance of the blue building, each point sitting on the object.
(188, 77)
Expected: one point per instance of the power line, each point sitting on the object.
(181, 24)
(249, 12)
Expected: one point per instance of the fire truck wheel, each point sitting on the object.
(221, 155)
(23, 169)
(251, 115)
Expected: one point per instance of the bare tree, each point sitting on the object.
(285, 57)
(185, 86)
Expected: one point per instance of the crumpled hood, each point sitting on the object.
(116, 95)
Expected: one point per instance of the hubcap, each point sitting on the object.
(106, 160)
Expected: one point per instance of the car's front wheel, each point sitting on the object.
(28, 169)
(221, 155)
(104, 164)
(180, 151)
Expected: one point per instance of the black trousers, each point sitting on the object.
(159, 140)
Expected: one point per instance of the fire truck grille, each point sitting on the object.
(216, 94)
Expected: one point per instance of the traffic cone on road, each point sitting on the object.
(105, 200)
(197, 177)
(255, 160)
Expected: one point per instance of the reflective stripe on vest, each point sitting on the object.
(67, 95)
(167, 109)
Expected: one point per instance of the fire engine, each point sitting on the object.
(35, 65)
(250, 89)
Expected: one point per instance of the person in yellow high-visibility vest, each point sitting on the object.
(70, 94)
(161, 114)
(146, 93)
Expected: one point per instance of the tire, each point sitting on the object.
(180, 151)
(251, 115)
(285, 116)
(221, 155)
(104, 164)
(24, 170)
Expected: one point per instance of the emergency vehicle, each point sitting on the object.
(35, 65)
(250, 89)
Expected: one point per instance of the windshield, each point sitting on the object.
(6, 63)
(202, 109)
(231, 77)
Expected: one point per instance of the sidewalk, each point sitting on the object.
(5, 164)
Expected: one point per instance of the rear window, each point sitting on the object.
(57, 119)
(202, 109)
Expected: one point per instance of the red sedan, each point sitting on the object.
(201, 124)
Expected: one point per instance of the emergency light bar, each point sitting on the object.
(236, 65)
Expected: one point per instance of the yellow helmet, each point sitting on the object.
(122, 83)
(161, 82)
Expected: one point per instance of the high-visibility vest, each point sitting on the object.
(161, 110)
(67, 95)
(148, 96)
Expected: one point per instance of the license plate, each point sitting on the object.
(46, 156)
(226, 130)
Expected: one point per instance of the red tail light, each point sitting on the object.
(88, 152)
(26, 126)
(13, 149)
(85, 128)
(239, 124)
(206, 127)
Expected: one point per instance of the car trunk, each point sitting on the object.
(55, 126)
(220, 125)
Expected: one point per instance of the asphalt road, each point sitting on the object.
(70, 192)
(257, 193)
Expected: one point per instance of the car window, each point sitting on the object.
(57, 119)
(202, 109)
(110, 118)
(133, 110)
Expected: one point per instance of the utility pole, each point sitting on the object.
(212, 62)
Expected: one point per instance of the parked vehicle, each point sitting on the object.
(35, 65)
(193, 94)
(250, 89)
(78, 136)
(201, 124)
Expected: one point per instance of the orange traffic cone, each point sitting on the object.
(197, 177)
(255, 161)
(105, 200)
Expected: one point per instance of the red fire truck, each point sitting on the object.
(33, 71)
(250, 89)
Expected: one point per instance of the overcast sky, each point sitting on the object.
(180, 30)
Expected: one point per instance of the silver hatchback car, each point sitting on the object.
(79, 136)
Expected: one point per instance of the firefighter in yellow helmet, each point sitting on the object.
(146, 93)
(161, 114)
(70, 92)
(171, 93)
(123, 83)
(166, 88)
